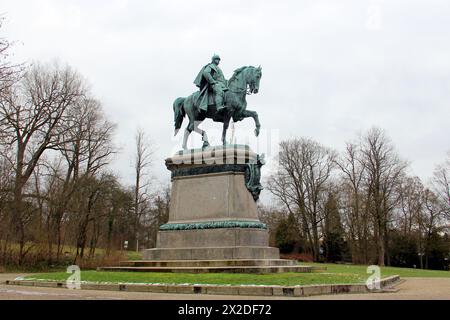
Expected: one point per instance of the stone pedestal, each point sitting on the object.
(213, 210)
(213, 223)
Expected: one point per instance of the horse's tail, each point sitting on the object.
(179, 113)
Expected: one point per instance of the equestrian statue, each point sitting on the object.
(218, 99)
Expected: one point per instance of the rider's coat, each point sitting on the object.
(211, 82)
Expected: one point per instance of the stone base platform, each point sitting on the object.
(212, 266)
(212, 253)
(207, 238)
(213, 223)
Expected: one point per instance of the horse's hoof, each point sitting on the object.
(205, 145)
(257, 132)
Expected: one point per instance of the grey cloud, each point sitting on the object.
(321, 65)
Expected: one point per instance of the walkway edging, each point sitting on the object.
(247, 290)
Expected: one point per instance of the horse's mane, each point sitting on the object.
(236, 73)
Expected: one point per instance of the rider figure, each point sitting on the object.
(210, 79)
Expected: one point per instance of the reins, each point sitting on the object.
(240, 90)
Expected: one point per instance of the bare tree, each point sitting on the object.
(441, 185)
(354, 199)
(9, 72)
(301, 183)
(87, 149)
(430, 221)
(30, 114)
(384, 171)
(141, 165)
(55, 187)
(119, 217)
(6, 182)
(158, 215)
(411, 204)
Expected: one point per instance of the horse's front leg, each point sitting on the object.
(226, 123)
(254, 115)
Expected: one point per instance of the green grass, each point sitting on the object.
(133, 255)
(385, 271)
(335, 273)
(285, 279)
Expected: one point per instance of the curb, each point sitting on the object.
(246, 290)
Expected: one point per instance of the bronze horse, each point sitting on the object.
(244, 81)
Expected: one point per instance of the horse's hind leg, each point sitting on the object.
(185, 138)
(202, 133)
(187, 132)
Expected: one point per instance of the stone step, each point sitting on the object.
(232, 269)
(209, 263)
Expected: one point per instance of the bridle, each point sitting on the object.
(247, 90)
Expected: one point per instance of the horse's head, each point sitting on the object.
(253, 77)
(246, 77)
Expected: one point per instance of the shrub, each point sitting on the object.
(286, 235)
(302, 257)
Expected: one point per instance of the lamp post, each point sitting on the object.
(420, 254)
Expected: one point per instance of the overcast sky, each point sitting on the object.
(331, 69)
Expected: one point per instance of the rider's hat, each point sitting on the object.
(215, 56)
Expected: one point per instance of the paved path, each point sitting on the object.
(411, 288)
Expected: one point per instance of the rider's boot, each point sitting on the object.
(203, 108)
(205, 140)
(219, 104)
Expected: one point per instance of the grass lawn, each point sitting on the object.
(385, 271)
(335, 273)
(285, 279)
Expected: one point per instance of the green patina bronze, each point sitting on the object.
(253, 177)
(252, 172)
(218, 99)
(213, 225)
(212, 84)
(193, 171)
